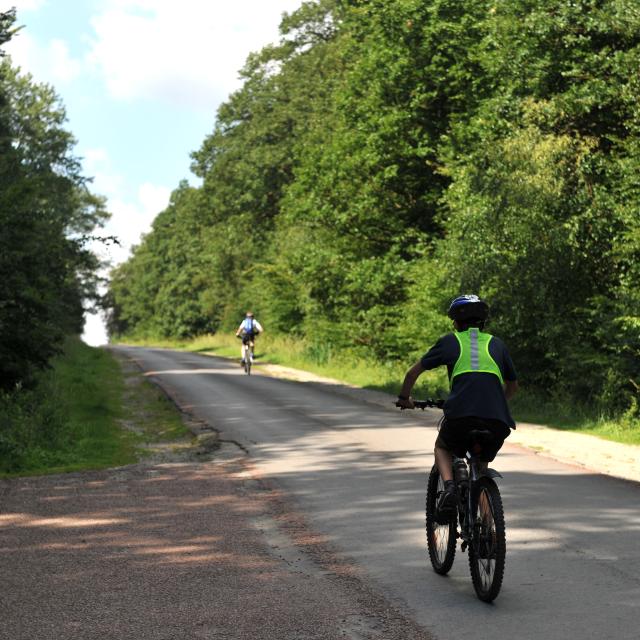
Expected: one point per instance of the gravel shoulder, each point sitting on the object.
(175, 551)
(189, 544)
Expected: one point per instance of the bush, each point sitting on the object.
(33, 426)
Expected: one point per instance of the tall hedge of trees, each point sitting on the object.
(387, 155)
(47, 214)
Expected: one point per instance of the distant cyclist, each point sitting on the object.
(248, 330)
(482, 378)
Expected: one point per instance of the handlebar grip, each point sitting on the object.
(424, 404)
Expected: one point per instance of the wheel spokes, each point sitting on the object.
(486, 541)
(440, 533)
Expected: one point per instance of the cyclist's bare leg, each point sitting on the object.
(485, 509)
(444, 462)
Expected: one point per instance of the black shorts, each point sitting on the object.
(453, 436)
(248, 337)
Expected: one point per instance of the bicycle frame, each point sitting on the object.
(247, 350)
(465, 497)
(465, 505)
(247, 353)
(478, 520)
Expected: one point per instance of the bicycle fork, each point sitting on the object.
(466, 507)
(248, 354)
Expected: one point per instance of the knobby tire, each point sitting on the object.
(441, 539)
(488, 550)
(247, 359)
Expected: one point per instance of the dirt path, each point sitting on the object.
(174, 552)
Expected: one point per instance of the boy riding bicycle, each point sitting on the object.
(482, 378)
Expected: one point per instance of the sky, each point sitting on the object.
(141, 81)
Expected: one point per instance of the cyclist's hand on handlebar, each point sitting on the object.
(405, 403)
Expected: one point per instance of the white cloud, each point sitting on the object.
(63, 67)
(24, 51)
(130, 217)
(106, 181)
(186, 53)
(153, 197)
(22, 5)
(50, 62)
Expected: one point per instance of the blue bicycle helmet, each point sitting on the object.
(468, 307)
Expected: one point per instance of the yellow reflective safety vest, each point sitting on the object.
(474, 354)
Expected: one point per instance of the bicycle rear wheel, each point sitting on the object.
(246, 358)
(441, 538)
(488, 547)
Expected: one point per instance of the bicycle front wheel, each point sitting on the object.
(488, 547)
(441, 538)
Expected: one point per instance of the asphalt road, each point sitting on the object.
(358, 473)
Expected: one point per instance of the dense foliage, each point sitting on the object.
(46, 216)
(387, 155)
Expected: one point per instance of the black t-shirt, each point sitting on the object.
(473, 394)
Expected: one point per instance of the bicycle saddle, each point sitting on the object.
(477, 438)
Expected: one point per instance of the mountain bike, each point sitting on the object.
(247, 355)
(479, 514)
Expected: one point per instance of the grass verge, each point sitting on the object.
(558, 413)
(565, 414)
(83, 414)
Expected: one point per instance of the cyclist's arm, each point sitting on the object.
(407, 385)
(436, 356)
(510, 388)
(509, 374)
(258, 326)
(239, 331)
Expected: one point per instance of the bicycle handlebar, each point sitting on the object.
(423, 404)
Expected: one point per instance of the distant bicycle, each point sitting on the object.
(247, 354)
(479, 513)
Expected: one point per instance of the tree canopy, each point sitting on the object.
(47, 213)
(388, 155)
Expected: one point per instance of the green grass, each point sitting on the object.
(565, 414)
(83, 414)
(558, 413)
(149, 414)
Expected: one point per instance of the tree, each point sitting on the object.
(46, 212)
(388, 155)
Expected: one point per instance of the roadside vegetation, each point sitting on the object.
(56, 411)
(48, 217)
(86, 412)
(387, 156)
